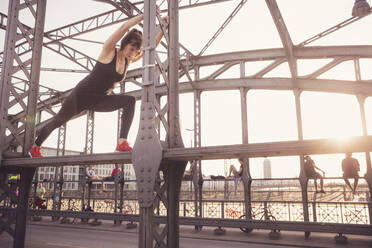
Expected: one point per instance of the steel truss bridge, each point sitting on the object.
(23, 96)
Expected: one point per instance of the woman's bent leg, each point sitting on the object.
(115, 102)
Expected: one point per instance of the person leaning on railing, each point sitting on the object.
(237, 174)
(92, 176)
(310, 171)
(190, 172)
(39, 198)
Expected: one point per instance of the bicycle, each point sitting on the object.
(265, 214)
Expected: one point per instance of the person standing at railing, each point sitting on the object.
(350, 168)
(188, 174)
(311, 173)
(39, 198)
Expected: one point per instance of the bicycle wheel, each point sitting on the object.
(272, 217)
(246, 230)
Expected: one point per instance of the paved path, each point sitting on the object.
(63, 237)
(47, 234)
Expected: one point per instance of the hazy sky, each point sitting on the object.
(271, 114)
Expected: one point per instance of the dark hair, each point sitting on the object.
(133, 37)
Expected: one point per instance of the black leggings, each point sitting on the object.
(75, 103)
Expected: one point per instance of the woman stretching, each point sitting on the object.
(93, 92)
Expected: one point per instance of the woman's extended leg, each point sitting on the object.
(68, 110)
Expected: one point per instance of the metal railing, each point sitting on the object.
(272, 200)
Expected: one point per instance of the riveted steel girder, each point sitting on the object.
(283, 148)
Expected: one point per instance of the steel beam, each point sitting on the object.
(183, 4)
(319, 85)
(284, 36)
(74, 29)
(357, 229)
(34, 77)
(254, 55)
(333, 29)
(147, 150)
(21, 213)
(223, 26)
(72, 54)
(368, 175)
(7, 66)
(284, 148)
(327, 67)
(246, 175)
(303, 177)
(173, 170)
(197, 143)
(313, 52)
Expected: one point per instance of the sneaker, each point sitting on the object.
(123, 147)
(35, 152)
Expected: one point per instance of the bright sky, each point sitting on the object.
(271, 114)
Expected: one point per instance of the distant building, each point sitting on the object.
(129, 173)
(72, 174)
(267, 168)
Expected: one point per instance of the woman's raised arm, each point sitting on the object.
(110, 43)
(158, 37)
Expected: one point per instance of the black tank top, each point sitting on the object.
(101, 80)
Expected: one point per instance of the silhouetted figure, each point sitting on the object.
(309, 166)
(350, 167)
(234, 171)
(190, 172)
